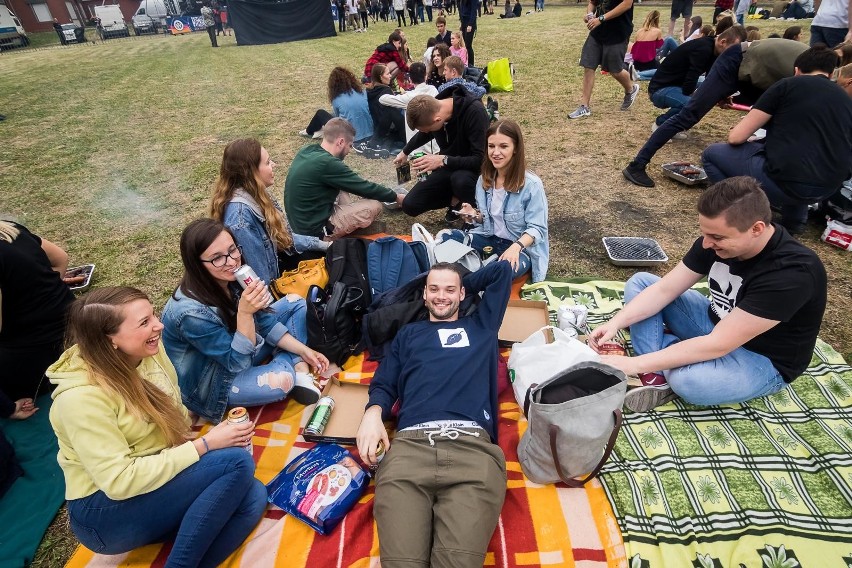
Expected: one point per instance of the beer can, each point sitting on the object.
(239, 415)
(487, 251)
(421, 175)
(246, 275)
(380, 452)
(320, 416)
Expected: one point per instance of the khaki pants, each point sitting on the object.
(352, 213)
(438, 505)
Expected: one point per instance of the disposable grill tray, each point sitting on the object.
(634, 251)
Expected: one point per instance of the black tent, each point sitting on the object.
(257, 23)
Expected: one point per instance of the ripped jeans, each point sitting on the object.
(265, 380)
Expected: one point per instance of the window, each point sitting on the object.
(42, 12)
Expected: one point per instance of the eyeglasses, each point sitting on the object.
(234, 253)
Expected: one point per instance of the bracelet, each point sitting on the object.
(206, 447)
(520, 244)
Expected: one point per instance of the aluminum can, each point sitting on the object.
(420, 175)
(246, 275)
(239, 415)
(320, 416)
(486, 252)
(380, 452)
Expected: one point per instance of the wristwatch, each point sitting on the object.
(601, 18)
(444, 161)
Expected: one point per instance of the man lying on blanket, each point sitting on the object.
(441, 486)
(754, 335)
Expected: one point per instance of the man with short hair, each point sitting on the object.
(453, 71)
(832, 24)
(318, 190)
(610, 23)
(417, 74)
(754, 335)
(747, 67)
(677, 76)
(441, 485)
(457, 121)
(806, 154)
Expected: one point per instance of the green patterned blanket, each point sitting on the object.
(763, 484)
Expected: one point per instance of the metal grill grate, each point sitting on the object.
(634, 251)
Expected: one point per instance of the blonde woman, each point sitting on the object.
(35, 301)
(241, 200)
(132, 477)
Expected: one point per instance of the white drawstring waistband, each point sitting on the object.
(448, 431)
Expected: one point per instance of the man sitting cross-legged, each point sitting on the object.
(755, 333)
(457, 121)
(441, 485)
(319, 187)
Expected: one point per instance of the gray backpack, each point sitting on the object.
(574, 418)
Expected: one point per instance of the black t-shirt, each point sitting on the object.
(35, 299)
(809, 137)
(616, 30)
(785, 282)
(685, 65)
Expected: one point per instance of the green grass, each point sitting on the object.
(110, 149)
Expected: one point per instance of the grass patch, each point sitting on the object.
(110, 149)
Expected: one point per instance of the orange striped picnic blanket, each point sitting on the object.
(540, 526)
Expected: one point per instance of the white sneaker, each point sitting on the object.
(581, 112)
(304, 390)
(317, 134)
(304, 133)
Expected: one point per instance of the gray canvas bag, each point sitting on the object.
(574, 418)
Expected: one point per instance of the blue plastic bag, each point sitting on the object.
(319, 487)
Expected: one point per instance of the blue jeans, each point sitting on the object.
(832, 37)
(251, 387)
(208, 509)
(722, 161)
(721, 82)
(478, 242)
(669, 45)
(736, 377)
(671, 98)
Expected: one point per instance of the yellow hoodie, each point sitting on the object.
(102, 445)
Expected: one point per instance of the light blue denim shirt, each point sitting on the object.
(524, 211)
(353, 107)
(207, 355)
(246, 221)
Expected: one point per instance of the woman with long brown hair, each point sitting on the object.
(229, 349)
(435, 75)
(132, 476)
(348, 100)
(511, 207)
(241, 200)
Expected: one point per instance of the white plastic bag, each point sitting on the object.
(422, 234)
(838, 234)
(542, 355)
(454, 251)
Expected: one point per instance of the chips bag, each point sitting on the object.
(319, 487)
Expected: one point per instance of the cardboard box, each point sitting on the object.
(522, 319)
(350, 400)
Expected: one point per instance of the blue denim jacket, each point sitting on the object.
(206, 355)
(353, 107)
(524, 211)
(259, 251)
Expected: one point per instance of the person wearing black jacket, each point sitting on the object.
(467, 15)
(457, 122)
(677, 76)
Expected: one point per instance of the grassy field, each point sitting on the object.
(110, 149)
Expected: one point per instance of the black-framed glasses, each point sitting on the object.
(234, 253)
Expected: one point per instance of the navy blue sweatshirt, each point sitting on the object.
(448, 370)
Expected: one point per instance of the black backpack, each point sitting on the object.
(334, 321)
(346, 261)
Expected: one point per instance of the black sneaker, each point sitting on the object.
(359, 147)
(636, 175)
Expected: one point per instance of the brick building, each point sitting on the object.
(37, 15)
